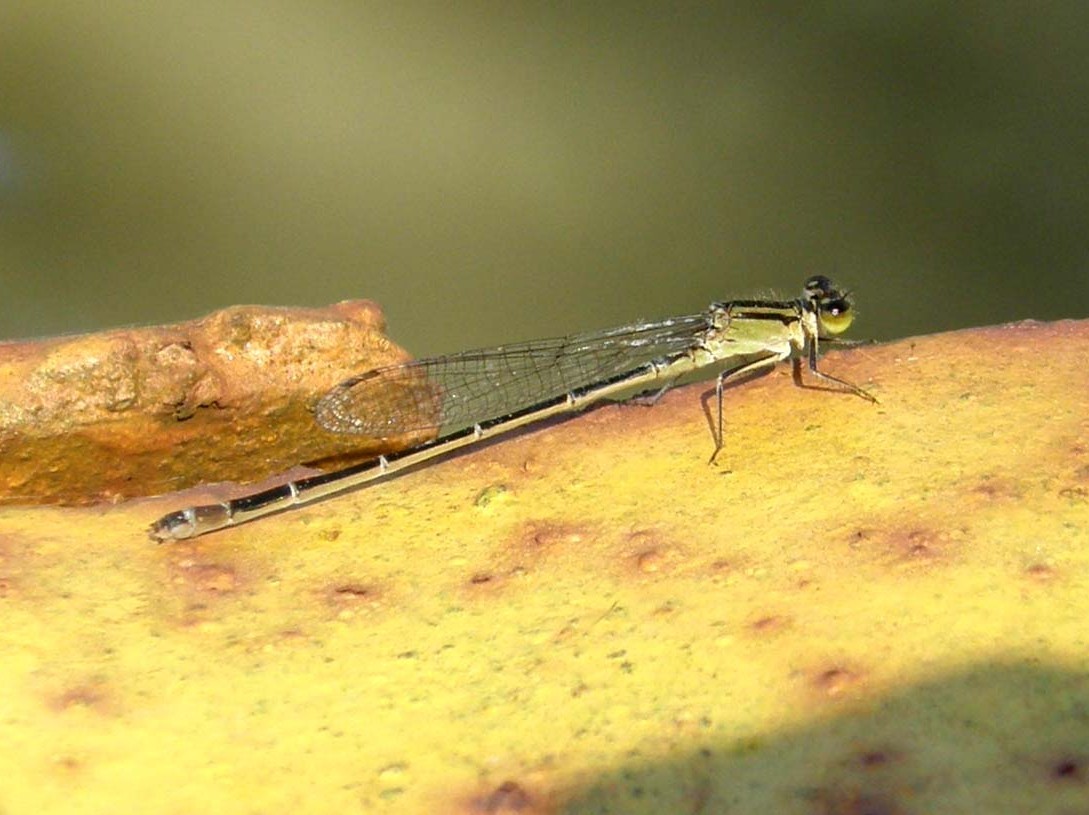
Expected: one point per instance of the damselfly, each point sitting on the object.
(466, 397)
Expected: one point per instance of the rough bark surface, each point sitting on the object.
(141, 411)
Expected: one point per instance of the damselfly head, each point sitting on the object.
(835, 312)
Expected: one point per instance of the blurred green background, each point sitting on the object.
(499, 171)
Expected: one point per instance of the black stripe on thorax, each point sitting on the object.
(785, 312)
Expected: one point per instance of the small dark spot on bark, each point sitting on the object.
(834, 681)
(649, 561)
(1068, 769)
(352, 596)
(91, 695)
(1076, 495)
(192, 572)
(842, 802)
(507, 797)
(768, 624)
(352, 590)
(1040, 572)
(68, 764)
(874, 758)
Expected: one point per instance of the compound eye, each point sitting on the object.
(835, 315)
(818, 287)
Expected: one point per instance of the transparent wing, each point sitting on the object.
(452, 392)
